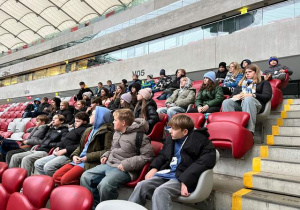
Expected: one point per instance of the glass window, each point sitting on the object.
(114, 56)
(21, 78)
(82, 64)
(62, 69)
(173, 41)
(39, 74)
(74, 66)
(278, 11)
(228, 26)
(297, 8)
(192, 35)
(141, 49)
(210, 30)
(28, 77)
(156, 45)
(14, 80)
(6, 82)
(53, 71)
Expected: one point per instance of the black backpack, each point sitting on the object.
(138, 142)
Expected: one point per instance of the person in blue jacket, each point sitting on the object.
(231, 81)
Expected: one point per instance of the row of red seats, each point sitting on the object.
(12, 114)
(36, 192)
(4, 125)
(17, 108)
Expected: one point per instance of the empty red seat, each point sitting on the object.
(3, 127)
(19, 115)
(2, 120)
(71, 197)
(72, 101)
(277, 97)
(157, 146)
(12, 180)
(197, 84)
(3, 167)
(29, 124)
(8, 120)
(3, 116)
(6, 134)
(36, 192)
(160, 103)
(227, 131)
(33, 120)
(158, 129)
(198, 119)
(25, 136)
(13, 115)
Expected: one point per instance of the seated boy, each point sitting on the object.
(276, 70)
(94, 103)
(36, 136)
(122, 163)
(50, 164)
(56, 130)
(180, 99)
(176, 170)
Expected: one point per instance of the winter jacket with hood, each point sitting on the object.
(53, 137)
(81, 91)
(212, 98)
(99, 137)
(274, 70)
(43, 106)
(247, 60)
(71, 141)
(37, 134)
(198, 154)
(68, 114)
(152, 115)
(123, 150)
(163, 83)
(221, 74)
(182, 97)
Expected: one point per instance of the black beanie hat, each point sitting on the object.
(124, 81)
(162, 72)
(223, 64)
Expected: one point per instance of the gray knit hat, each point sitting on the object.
(127, 97)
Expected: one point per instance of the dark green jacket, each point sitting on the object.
(100, 143)
(211, 98)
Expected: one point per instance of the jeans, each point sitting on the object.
(8, 145)
(164, 96)
(249, 104)
(103, 181)
(49, 164)
(160, 190)
(171, 111)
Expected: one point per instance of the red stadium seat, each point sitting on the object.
(29, 124)
(6, 134)
(12, 180)
(158, 129)
(277, 97)
(197, 84)
(3, 127)
(72, 101)
(19, 115)
(8, 120)
(25, 136)
(198, 119)
(36, 192)
(33, 120)
(13, 115)
(2, 120)
(71, 197)
(160, 103)
(157, 146)
(3, 116)
(227, 131)
(285, 82)
(3, 167)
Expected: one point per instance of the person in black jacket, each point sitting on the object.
(56, 131)
(180, 73)
(146, 108)
(66, 112)
(134, 89)
(178, 166)
(83, 89)
(251, 95)
(221, 73)
(50, 164)
(42, 107)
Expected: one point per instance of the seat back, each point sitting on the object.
(275, 83)
(8, 120)
(33, 120)
(11, 127)
(25, 136)
(13, 178)
(163, 118)
(19, 201)
(37, 189)
(16, 120)
(28, 125)
(19, 115)
(25, 120)
(240, 118)
(17, 136)
(198, 119)
(157, 146)
(3, 126)
(20, 127)
(3, 167)
(285, 82)
(277, 98)
(78, 198)
(265, 114)
(13, 115)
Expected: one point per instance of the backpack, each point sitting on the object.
(138, 142)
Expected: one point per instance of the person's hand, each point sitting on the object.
(268, 77)
(103, 160)
(83, 159)
(184, 190)
(151, 173)
(246, 95)
(70, 126)
(238, 96)
(61, 152)
(76, 160)
(50, 124)
(120, 167)
(205, 108)
(200, 109)
(56, 149)
(282, 71)
(88, 109)
(25, 141)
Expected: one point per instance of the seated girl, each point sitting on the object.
(232, 78)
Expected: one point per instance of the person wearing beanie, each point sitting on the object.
(210, 96)
(134, 89)
(149, 83)
(146, 108)
(221, 73)
(163, 83)
(180, 73)
(181, 98)
(234, 75)
(83, 89)
(31, 108)
(245, 63)
(87, 97)
(276, 70)
(135, 79)
(125, 101)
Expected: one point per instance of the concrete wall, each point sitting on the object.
(205, 10)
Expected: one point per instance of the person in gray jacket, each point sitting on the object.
(123, 162)
(180, 99)
(276, 70)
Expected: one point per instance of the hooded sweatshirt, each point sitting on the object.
(102, 116)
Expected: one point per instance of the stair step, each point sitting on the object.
(285, 131)
(291, 101)
(283, 140)
(275, 166)
(290, 115)
(287, 185)
(253, 199)
(292, 107)
(279, 153)
(288, 122)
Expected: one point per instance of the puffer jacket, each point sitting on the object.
(212, 98)
(53, 137)
(68, 114)
(100, 143)
(163, 83)
(37, 135)
(43, 106)
(274, 70)
(123, 150)
(231, 81)
(152, 115)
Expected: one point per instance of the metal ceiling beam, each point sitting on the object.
(4, 45)
(6, 20)
(21, 22)
(65, 21)
(59, 8)
(38, 15)
(91, 8)
(122, 3)
(16, 44)
(87, 15)
(46, 9)
(13, 34)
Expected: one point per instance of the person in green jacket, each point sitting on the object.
(210, 96)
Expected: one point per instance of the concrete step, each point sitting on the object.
(276, 183)
(288, 122)
(291, 101)
(285, 131)
(287, 141)
(290, 115)
(254, 199)
(280, 153)
(292, 107)
(275, 167)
